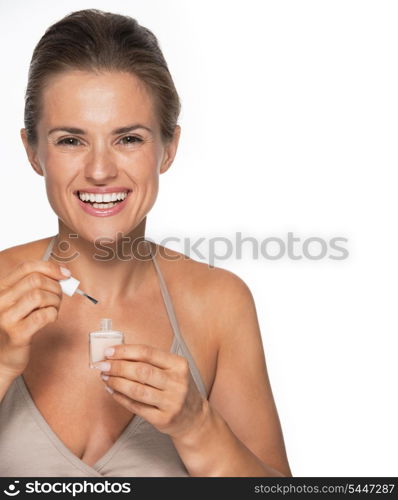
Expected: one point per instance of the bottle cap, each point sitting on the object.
(69, 285)
(106, 324)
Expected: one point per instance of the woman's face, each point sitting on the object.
(96, 154)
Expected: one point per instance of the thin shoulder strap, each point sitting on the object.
(49, 248)
(174, 323)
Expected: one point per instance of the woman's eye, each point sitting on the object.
(64, 141)
(129, 139)
(133, 139)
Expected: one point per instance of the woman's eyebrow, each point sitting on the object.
(122, 130)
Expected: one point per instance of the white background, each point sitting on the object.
(289, 124)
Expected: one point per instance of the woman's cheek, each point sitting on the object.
(53, 198)
(57, 191)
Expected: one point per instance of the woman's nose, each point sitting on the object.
(100, 167)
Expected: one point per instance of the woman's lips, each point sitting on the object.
(102, 212)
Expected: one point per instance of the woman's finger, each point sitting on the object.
(143, 373)
(136, 391)
(30, 301)
(30, 282)
(31, 266)
(148, 412)
(147, 354)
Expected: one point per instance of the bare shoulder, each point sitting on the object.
(204, 276)
(213, 294)
(15, 255)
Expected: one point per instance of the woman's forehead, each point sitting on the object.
(100, 98)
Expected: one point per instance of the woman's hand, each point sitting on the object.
(157, 385)
(30, 298)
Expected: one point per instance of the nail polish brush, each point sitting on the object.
(69, 287)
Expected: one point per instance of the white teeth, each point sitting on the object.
(101, 198)
(103, 205)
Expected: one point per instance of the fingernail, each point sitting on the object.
(104, 377)
(104, 366)
(109, 389)
(65, 271)
(109, 351)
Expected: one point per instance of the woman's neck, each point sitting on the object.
(111, 269)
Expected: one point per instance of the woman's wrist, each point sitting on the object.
(198, 429)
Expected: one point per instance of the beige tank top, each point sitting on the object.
(29, 447)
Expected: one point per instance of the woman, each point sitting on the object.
(100, 126)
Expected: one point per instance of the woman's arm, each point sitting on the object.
(239, 433)
(5, 379)
(214, 450)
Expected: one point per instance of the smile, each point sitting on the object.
(102, 204)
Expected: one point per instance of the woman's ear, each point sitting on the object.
(170, 150)
(31, 152)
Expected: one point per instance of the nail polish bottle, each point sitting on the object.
(101, 339)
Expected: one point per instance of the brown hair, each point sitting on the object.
(95, 40)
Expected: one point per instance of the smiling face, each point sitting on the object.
(89, 153)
